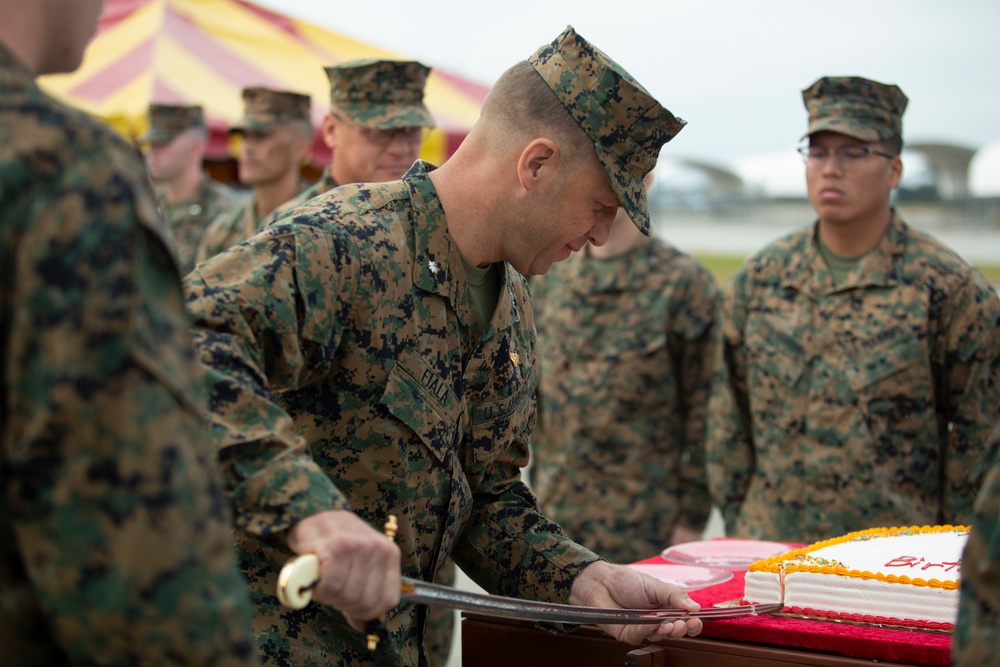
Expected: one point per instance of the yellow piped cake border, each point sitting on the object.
(777, 564)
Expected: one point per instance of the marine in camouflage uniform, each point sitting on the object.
(974, 642)
(280, 135)
(369, 99)
(625, 346)
(860, 395)
(188, 217)
(355, 313)
(115, 538)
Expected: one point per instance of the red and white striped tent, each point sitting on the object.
(206, 51)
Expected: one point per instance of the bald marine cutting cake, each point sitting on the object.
(902, 576)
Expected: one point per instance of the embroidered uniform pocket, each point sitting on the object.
(416, 395)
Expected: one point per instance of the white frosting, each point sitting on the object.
(923, 555)
(919, 556)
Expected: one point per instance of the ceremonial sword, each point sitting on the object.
(301, 574)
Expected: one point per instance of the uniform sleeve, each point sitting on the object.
(968, 372)
(693, 351)
(509, 547)
(729, 455)
(974, 638)
(258, 327)
(216, 237)
(117, 512)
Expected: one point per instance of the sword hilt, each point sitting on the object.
(300, 575)
(297, 579)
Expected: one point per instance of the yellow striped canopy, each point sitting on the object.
(206, 51)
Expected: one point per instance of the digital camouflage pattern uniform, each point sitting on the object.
(862, 404)
(974, 643)
(264, 110)
(380, 94)
(625, 347)
(231, 227)
(384, 400)
(115, 537)
(846, 407)
(187, 220)
(403, 411)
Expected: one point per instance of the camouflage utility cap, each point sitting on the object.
(266, 109)
(627, 125)
(166, 121)
(861, 108)
(381, 94)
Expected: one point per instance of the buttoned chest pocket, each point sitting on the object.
(775, 363)
(418, 396)
(625, 341)
(500, 408)
(890, 373)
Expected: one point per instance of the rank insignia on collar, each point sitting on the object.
(433, 267)
(514, 358)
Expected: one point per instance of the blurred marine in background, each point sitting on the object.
(275, 137)
(625, 339)
(175, 150)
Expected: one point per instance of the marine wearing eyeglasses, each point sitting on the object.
(860, 358)
(846, 156)
(375, 125)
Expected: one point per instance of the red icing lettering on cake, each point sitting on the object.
(923, 564)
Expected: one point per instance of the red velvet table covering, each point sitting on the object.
(914, 647)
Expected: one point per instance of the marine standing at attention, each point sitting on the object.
(175, 147)
(375, 124)
(625, 336)
(275, 137)
(860, 367)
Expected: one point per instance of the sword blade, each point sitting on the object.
(300, 575)
(422, 592)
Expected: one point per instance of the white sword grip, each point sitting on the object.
(296, 579)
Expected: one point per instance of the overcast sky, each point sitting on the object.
(733, 69)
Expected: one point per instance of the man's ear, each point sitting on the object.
(537, 162)
(329, 130)
(896, 172)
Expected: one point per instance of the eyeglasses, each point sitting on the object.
(413, 136)
(815, 156)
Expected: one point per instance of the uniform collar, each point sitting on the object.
(879, 267)
(437, 261)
